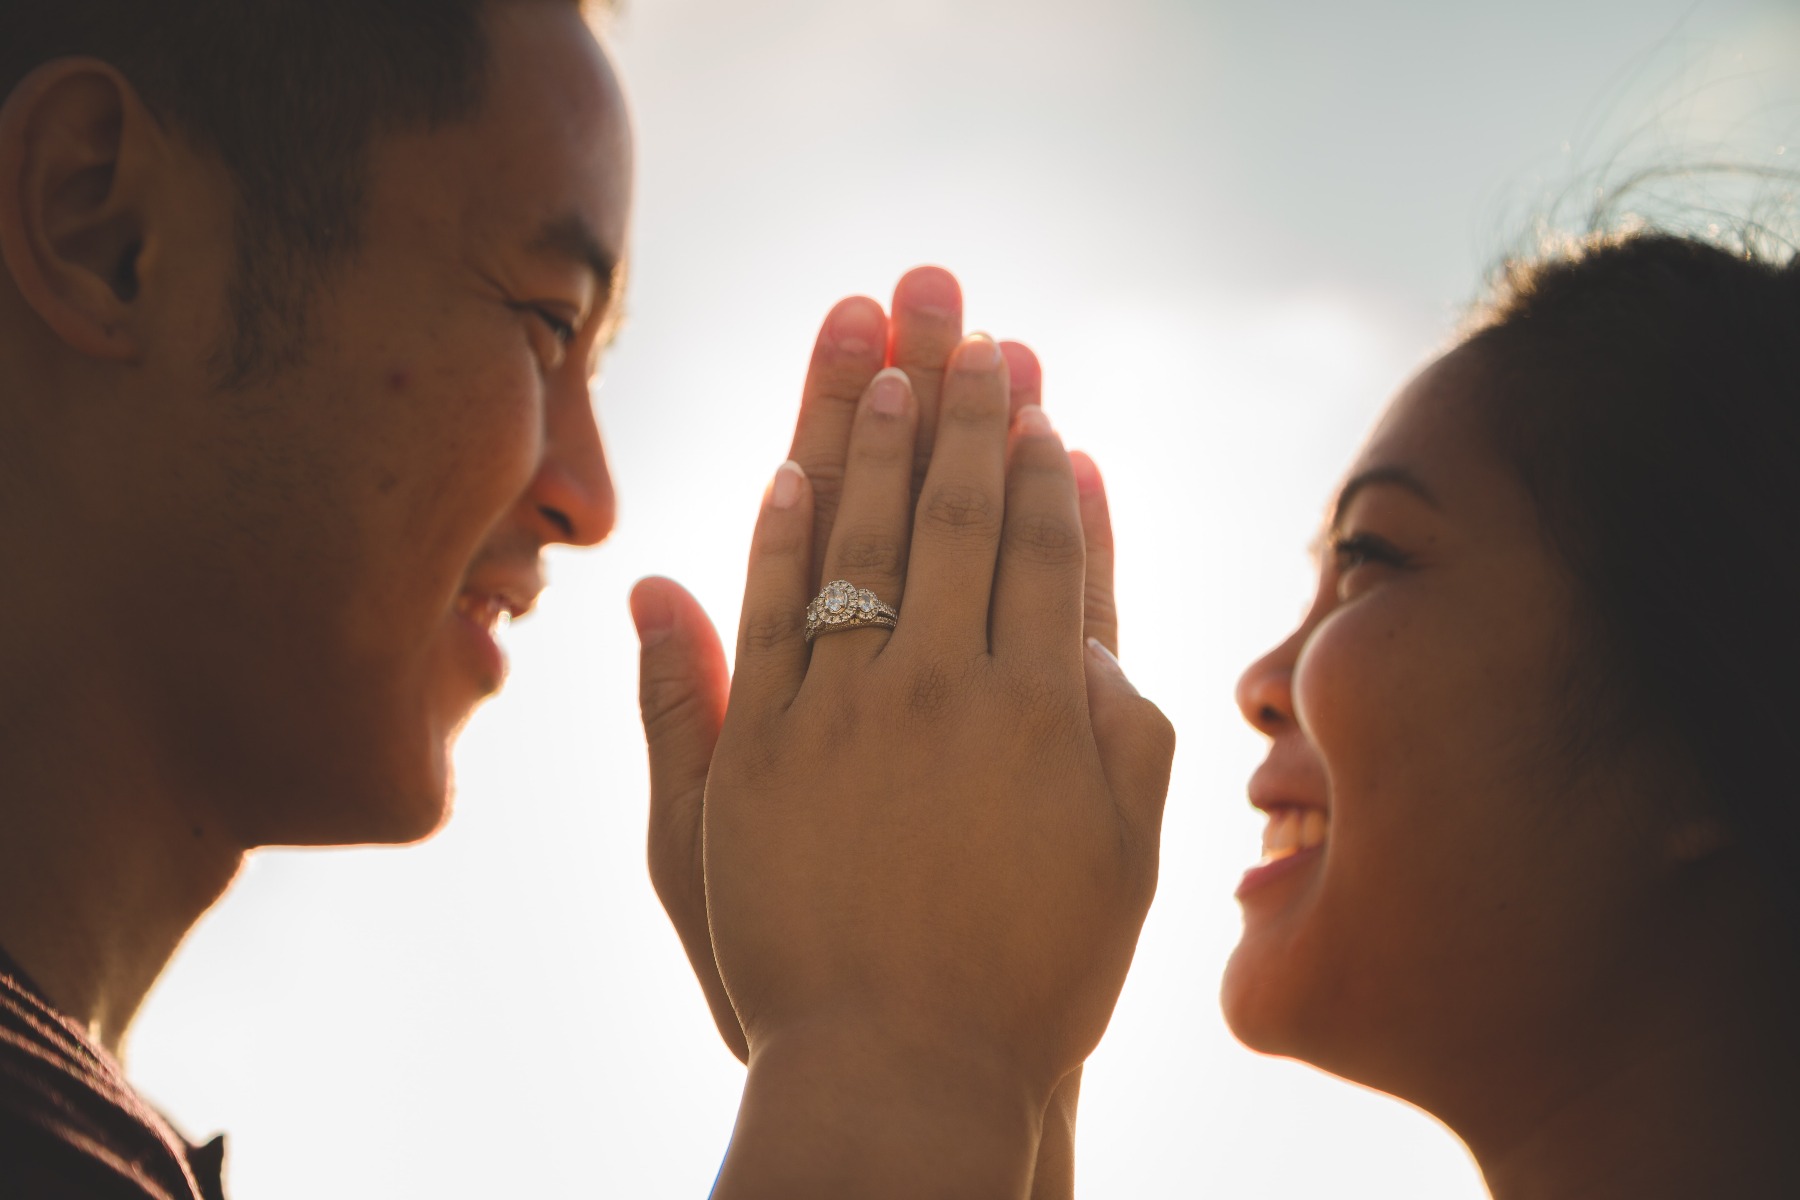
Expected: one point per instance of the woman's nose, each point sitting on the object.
(1265, 689)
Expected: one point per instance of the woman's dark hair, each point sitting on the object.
(1647, 390)
(289, 94)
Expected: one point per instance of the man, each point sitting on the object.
(301, 303)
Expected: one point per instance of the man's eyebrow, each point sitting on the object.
(570, 237)
(1398, 477)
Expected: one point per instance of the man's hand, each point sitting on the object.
(918, 902)
(682, 678)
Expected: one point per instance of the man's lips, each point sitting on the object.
(487, 609)
(491, 594)
(489, 598)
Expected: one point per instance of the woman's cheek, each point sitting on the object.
(1351, 674)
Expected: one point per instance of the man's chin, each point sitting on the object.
(383, 808)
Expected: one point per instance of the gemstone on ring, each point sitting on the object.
(843, 605)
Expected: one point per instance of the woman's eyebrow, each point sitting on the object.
(1392, 476)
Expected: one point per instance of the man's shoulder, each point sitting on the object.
(70, 1124)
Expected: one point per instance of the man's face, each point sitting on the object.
(327, 622)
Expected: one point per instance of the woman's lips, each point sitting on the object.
(1294, 837)
(1269, 870)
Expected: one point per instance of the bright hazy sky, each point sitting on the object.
(1231, 230)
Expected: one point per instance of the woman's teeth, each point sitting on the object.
(1291, 830)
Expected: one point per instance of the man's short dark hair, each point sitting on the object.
(289, 94)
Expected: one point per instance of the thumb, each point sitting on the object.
(682, 688)
(1137, 743)
(682, 685)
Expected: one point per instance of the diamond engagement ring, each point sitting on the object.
(843, 605)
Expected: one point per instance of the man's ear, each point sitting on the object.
(78, 157)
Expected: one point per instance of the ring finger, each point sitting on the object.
(870, 535)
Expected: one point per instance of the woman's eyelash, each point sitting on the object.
(1354, 549)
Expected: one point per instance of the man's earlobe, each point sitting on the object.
(78, 150)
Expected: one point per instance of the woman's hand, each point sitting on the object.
(928, 855)
(683, 681)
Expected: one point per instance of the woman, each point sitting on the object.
(1529, 787)
(1530, 781)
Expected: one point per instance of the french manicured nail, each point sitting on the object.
(888, 391)
(979, 353)
(786, 488)
(1032, 420)
(652, 613)
(1107, 659)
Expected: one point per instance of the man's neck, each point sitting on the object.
(107, 861)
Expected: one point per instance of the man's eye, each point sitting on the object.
(562, 330)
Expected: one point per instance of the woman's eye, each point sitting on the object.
(1350, 551)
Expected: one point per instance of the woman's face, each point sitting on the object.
(1448, 886)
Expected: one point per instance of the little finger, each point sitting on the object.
(1100, 619)
(1038, 583)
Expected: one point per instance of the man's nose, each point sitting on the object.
(573, 491)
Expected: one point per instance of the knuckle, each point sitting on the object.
(974, 406)
(930, 692)
(1052, 705)
(927, 376)
(1162, 732)
(666, 701)
(780, 539)
(764, 632)
(881, 444)
(1044, 539)
(1097, 599)
(960, 509)
(868, 551)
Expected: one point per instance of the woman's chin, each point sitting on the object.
(1259, 996)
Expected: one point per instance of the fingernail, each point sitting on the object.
(855, 327)
(1110, 661)
(888, 392)
(1087, 475)
(1033, 420)
(786, 488)
(979, 353)
(929, 290)
(651, 613)
(1022, 366)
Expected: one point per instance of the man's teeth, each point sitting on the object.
(1291, 830)
(490, 612)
